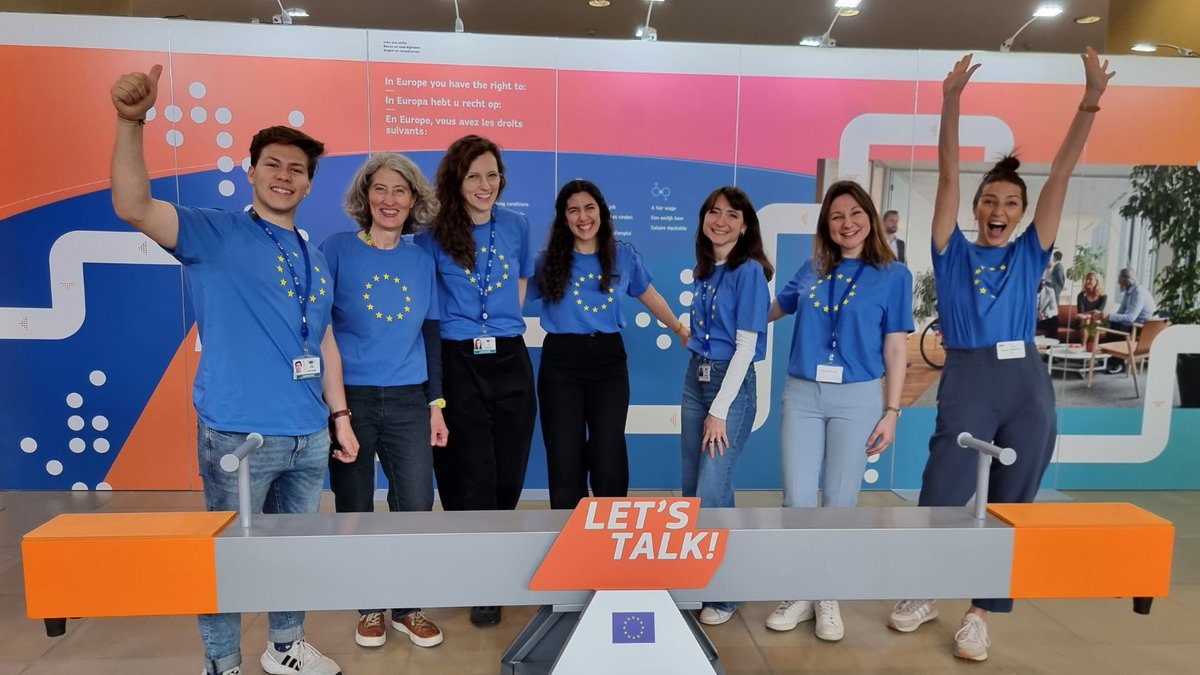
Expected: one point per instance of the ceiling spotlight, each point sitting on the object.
(647, 32)
(458, 24)
(297, 12)
(1084, 20)
(1151, 47)
(599, 3)
(844, 8)
(1044, 11)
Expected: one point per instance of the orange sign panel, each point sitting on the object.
(617, 543)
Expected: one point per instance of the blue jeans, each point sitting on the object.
(711, 479)
(287, 475)
(826, 424)
(393, 424)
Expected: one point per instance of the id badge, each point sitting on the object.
(1013, 349)
(306, 367)
(830, 374)
(704, 372)
(485, 345)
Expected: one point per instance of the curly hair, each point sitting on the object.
(554, 276)
(358, 204)
(452, 227)
(749, 245)
(826, 253)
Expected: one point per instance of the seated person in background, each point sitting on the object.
(1047, 313)
(1136, 307)
(1091, 300)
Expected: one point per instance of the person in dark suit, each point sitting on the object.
(891, 225)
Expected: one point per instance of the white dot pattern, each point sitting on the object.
(28, 445)
(97, 378)
(100, 423)
(54, 467)
(75, 423)
(197, 89)
(74, 400)
(226, 188)
(296, 118)
(77, 445)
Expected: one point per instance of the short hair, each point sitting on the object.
(1128, 273)
(1057, 255)
(1004, 171)
(281, 135)
(358, 206)
(890, 212)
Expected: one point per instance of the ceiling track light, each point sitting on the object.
(844, 8)
(285, 16)
(1151, 47)
(1046, 10)
(458, 24)
(646, 32)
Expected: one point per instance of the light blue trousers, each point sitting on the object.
(829, 424)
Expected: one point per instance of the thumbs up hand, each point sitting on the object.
(135, 93)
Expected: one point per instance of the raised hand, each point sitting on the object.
(135, 93)
(1097, 73)
(958, 77)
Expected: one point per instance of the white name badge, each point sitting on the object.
(306, 367)
(704, 372)
(830, 374)
(485, 345)
(1013, 349)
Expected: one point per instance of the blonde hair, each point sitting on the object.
(1099, 282)
(358, 206)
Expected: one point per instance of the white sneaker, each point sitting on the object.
(236, 670)
(908, 615)
(789, 613)
(712, 616)
(971, 641)
(301, 659)
(829, 621)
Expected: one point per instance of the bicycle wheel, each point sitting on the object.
(933, 350)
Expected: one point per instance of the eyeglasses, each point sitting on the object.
(474, 179)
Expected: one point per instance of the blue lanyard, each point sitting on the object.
(708, 306)
(834, 309)
(482, 282)
(302, 297)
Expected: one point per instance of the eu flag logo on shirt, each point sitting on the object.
(631, 627)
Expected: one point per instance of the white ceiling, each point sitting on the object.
(895, 24)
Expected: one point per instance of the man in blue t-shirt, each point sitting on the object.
(270, 364)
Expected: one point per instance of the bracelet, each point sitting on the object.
(679, 328)
(892, 408)
(141, 121)
(344, 412)
(1089, 108)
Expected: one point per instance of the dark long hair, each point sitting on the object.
(452, 227)
(826, 253)
(553, 278)
(749, 246)
(1004, 171)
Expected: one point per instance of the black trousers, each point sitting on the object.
(1009, 403)
(490, 409)
(583, 389)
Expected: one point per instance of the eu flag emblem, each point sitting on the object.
(633, 627)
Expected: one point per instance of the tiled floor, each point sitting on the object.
(1092, 637)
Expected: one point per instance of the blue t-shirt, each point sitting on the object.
(988, 294)
(585, 306)
(723, 304)
(380, 300)
(462, 290)
(867, 302)
(248, 314)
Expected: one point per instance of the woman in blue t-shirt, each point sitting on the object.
(385, 319)
(583, 379)
(994, 385)
(730, 301)
(853, 307)
(483, 260)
